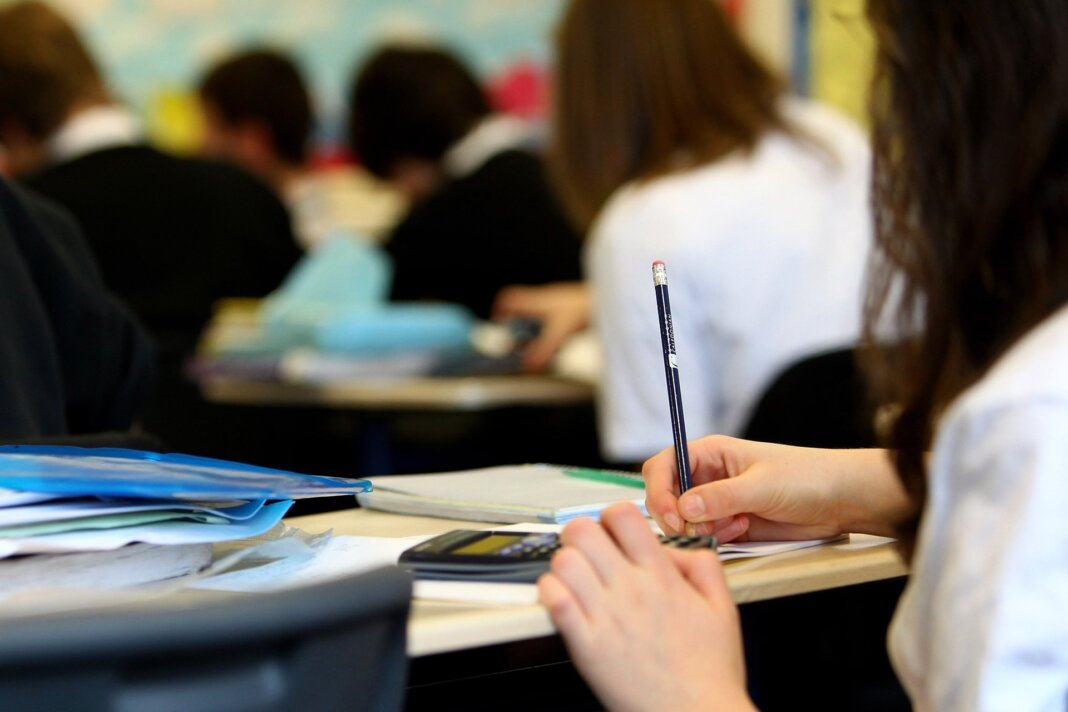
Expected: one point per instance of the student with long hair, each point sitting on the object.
(971, 193)
(672, 141)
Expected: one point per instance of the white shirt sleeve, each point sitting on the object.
(633, 412)
(984, 622)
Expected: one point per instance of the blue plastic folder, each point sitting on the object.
(114, 472)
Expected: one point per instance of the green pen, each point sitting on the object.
(613, 477)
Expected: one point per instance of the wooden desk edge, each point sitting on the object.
(461, 393)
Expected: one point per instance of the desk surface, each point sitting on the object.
(439, 627)
(460, 393)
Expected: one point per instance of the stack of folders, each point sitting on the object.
(75, 516)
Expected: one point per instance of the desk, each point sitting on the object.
(439, 627)
(417, 424)
(468, 393)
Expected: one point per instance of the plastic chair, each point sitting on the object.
(820, 401)
(333, 646)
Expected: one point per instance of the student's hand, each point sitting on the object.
(563, 309)
(649, 628)
(760, 491)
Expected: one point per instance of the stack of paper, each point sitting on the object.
(60, 500)
(515, 493)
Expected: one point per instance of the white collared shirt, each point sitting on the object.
(765, 255)
(91, 130)
(492, 135)
(983, 623)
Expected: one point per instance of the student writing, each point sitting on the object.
(971, 189)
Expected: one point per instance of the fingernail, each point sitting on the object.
(692, 507)
(673, 521)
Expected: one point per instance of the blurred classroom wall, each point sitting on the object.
(153, 51)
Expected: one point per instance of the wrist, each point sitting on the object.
(871, 498)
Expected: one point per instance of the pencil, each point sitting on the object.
(671, 370)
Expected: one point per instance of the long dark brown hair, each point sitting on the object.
(646, 87)
(970, 113)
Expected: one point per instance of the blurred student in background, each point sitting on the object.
(482, 214)
(757, 201)
(258, 114)
(171, 235)
(72, 359)
(971, 191)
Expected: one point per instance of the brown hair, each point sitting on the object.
(646, 87)
(45, 70)
(412, 102)
(263, 85)
(970, 114)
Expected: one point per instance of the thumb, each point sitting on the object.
(722, 498)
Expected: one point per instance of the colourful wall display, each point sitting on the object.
(154, 50)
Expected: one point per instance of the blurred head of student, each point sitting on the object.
(409, 104)
(46, 75)
(649, 87)
(257, 114)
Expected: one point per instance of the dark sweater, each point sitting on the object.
(72, 360)
(173, 235)
(498, 226)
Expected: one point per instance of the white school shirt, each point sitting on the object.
(983, 623)
(765, 257)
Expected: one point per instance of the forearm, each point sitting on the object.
(871, 496)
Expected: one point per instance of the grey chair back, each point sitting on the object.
(333, 646)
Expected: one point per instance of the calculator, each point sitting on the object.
(518, 557)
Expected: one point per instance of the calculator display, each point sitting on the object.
(488, 545)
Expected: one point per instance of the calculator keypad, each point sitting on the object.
(689, 542)
(538, 546)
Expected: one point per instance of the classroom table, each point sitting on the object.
(463, 393)
(442, 627)
(391, 425)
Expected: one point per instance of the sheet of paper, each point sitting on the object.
(338, 557)
(752, 549)
(106, 521)
(15, 498)
(80, 508)
(169, 532)
(132, 565)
